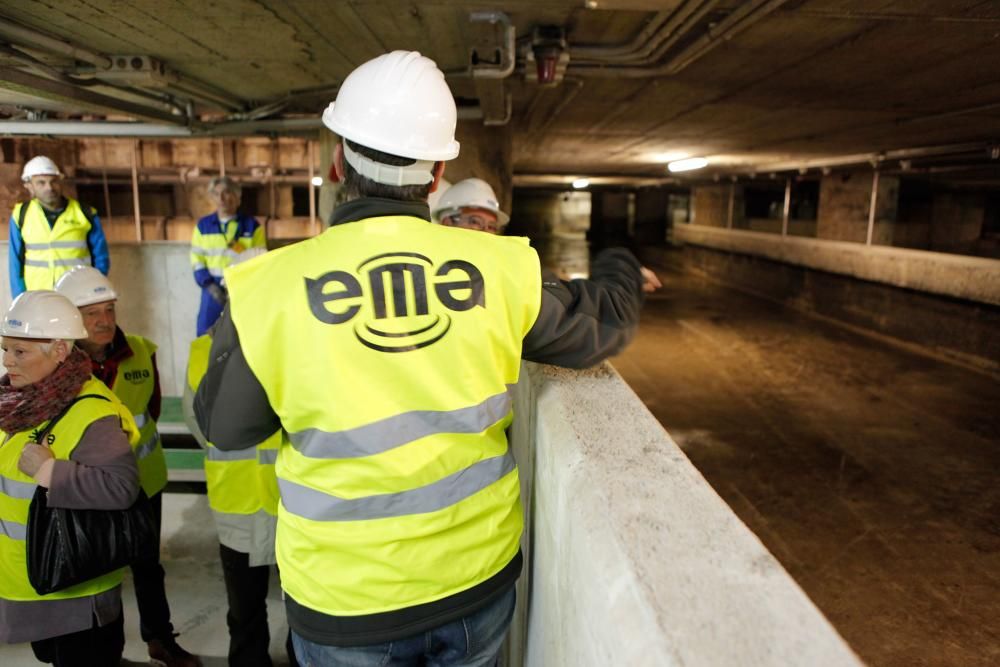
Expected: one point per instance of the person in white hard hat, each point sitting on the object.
(384, 348)
(471, 204)
(50, 233)
(85, 461)
(126, 364)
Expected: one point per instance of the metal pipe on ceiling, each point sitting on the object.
(45, 88)
(681, 21)
(626, 49)
(21, 33)
(742, 18)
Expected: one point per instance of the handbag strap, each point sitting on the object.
(40, 437)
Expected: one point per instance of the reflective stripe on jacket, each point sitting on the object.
(214, 246)
(387, 348)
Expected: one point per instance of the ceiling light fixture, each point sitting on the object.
(687, 165)
(581, 183)
(317, 181)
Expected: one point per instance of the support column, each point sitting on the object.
(135, 191)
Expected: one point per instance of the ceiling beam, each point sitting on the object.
(77, 96)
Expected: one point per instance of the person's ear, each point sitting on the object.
(438, 172)
(61, 350)
(338, 161)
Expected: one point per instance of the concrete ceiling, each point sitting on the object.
(797, 81)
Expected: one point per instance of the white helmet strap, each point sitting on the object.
(420, 172)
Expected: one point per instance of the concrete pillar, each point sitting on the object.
(486, 153)
(710, 205)
(845, 205)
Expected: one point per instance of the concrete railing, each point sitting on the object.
(633, 558)
(959, 276)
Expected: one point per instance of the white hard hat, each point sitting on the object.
(43, 314)
(85, 285)
(470, 193)
(397, 103)
(39, 166)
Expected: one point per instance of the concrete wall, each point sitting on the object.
(557, 223)
(845, 205)
(947, 304)
(158, 299)
(971, 278)
(635, 560)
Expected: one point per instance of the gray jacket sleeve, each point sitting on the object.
(583, 322)
(101, 473)
(231, 406)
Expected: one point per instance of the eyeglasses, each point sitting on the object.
(475, 221)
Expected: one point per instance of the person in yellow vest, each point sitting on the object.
(243, 495)
(127, 365)
(385, 349)
(471, 204)
(218, 239)
(50, 233)
(86, 462)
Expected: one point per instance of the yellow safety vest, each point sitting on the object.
(240, 483)
(50, 252)
(215, 251)
(387, 347)
(134, 385)
(17, 489)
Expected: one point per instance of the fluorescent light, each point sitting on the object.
(581, 183)
(317, 181)
(688, 164)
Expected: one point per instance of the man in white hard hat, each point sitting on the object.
(471, 204)
(126, 363)
(50, 233)
(217, 240)
(385, 348)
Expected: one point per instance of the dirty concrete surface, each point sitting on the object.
(870, 472)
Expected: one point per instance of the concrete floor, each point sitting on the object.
(195, 590)
(870, 472)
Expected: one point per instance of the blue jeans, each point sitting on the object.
(473, 641)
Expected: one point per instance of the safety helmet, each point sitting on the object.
(470, 193)
(397, 103)
(43, 314)
(85, 285)
(39, 166)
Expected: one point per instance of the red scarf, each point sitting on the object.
(27, 407)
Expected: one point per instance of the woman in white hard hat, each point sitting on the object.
(85, 462)
(471, 204)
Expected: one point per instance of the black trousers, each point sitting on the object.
(96, 647)
(150, 593)
(246, 589)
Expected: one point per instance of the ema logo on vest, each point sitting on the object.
(337, 297)
(138, 376)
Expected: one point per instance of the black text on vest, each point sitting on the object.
(137, 376)
(402, 313)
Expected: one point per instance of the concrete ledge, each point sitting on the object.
(635, 559)
(971, 278)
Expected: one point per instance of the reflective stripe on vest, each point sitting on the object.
(397, 430)
(134, 384)
(51, 251)
(17, 489)
(408, 336)
(13, 530)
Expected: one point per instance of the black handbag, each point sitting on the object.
(67, 547)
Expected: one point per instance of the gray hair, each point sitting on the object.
(47, 346)
(226, 182)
